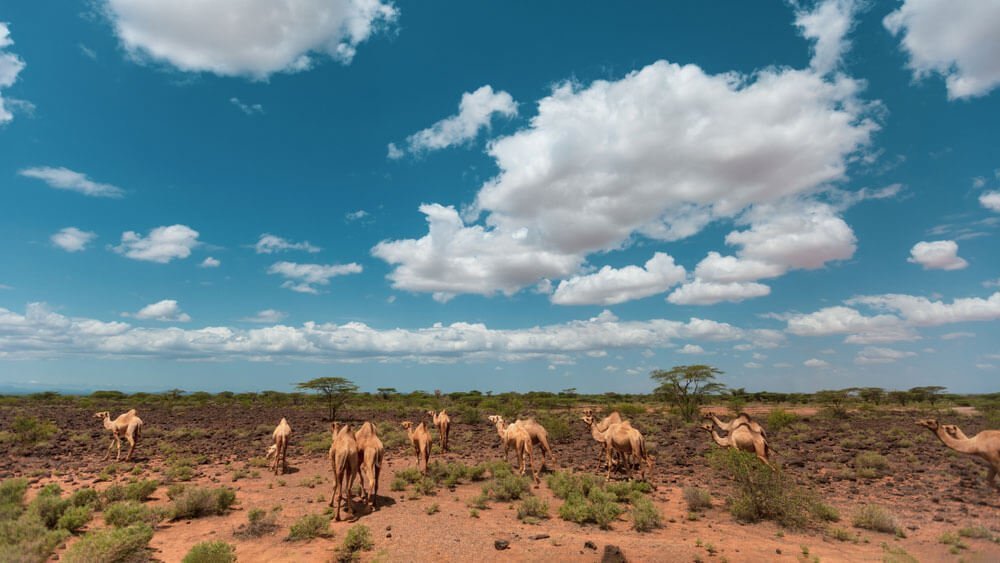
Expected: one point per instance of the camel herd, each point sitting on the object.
(359, 454)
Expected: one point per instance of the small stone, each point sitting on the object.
(538, 537)
(388, 534)
(777, 550)
(501, 545)
(388, 528)
(590, 545)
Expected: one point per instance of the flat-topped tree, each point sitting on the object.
(336, 389)
(386, 392)
(930, 393)
(687, 387)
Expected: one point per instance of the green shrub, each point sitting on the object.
(211, 552)
(12, 491)
(870, 464)
(317, 442)
(507, 487)
(74, 518)
(763, 494)
(625, 490)
(557, 427)
(398, 484)
(410, 475)
(603, 507)
(432, 509)
(532, 508)
(48, 508)
(645, 516)
(138, 491)
(697, 499)
(27, 539)
(310, 526)
(358, 538)
(778, 419)
(113, 545)
(128, 512)
(875, 518)
(975, 532)
(259, 523)
(563, 483)
(86, 497)
(197, 502)
(31, 431)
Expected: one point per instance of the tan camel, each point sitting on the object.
(370, 454)
(985, 445)
(539, 436)
(742, 438)
(614, 418)
(421, 440)
(624, 439)
(279, 448)
(343, 457)
(740, 420)
(443, 424)
(128, 424)
(518, 437)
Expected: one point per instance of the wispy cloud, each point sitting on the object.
(62, 178)
(271, 244)
(249, 109)
(304, 278)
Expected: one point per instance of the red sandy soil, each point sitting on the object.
(930, 489)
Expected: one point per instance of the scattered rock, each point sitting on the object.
(501, 545)
(538, 537)
(590, 545)
(388, 528)
(613, 554)
(388, 534)
(777, 550)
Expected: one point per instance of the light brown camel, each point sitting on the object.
(740, 420)
(742, 438)
(518, 437)
(539, 436)
(614, 418)
(279, 448)
(624, 439)
(128, 424)
(421, 440)
(443, 424)
(343, 457)
(985, 445)
(370, 454)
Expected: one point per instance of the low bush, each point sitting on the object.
(48, 507)
(138, 491)
(128, 512)
(317, 442)
(870, 464)
(259, 523)
(557, 427)
(310, 526)
(697, 499)
(211, 552)
(74, 518)
(645, 516)
(30, 431)
(196, 502)
(875, 518)
(778, 419)
(113, 545)
(532, 509)
(358, 538)
(506, 486)
(86, 497)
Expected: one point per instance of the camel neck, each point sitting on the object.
(965, 446)
(718, 439)
(597, 434)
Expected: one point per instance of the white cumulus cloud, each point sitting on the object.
(10, 66)
(691, 349)
(875, 355)
(304, 278)
(937, 255)
(72, 239)
(254, 38)
(65, 179)
(990, 200)
(609, 286)
(474, 114)
(266, 316)
(166, 310)
(210, 262)
(700, 292)
(816, 363)
(162, 245)
(827, 24)
(270, 244)
(957, 39)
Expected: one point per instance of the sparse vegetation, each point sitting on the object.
(779, 419)
(875, 518)
(128, 512)
(358, 538)
(532, 510)
(310, 526)
(113, 545)
(211, 552)
(260, 522)
(697, 499)
(196, 502)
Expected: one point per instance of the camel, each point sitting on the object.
(279, 448)
(443, 424)
(539, 436)
(421, 440)
(343, 457)
(742, 438)
(740, 420)
(624, 439)
(614, 418)
(985, 445)
(370, 454)
(128, 423)
(518, 437)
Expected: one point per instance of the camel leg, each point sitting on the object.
(118, 442)
(534, 473)
(378, 470)
(111, 445)
(607, 457)
(131, 446)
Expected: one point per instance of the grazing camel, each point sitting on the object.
(624, 439)
(518, 437)
(443, 424)
(742, 419)
(539, 436)
(279, 448)
(421, 440)
(985, 445)
(742, 438)
(370, 454)
(614, 418)
(343, 457)
(128, 423)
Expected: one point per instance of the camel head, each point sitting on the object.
(588, 412)
(407, 424)
(494, 418)
(744, 416)
(587, 419)
(335, 428)
(430, 414)
(102, 415)
(271, 451)
(707, 427)
(708, 415)
(954, 431)
(929, 423)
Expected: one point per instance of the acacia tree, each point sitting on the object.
(336, 389)
(687, 387)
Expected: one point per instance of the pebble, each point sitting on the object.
(590, 545)
(501, 545)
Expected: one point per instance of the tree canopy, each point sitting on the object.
(336, 389)
(687, 387)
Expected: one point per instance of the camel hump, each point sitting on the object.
(132, 412)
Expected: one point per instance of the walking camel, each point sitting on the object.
(626, 440)
(443, 424)
(985, 445)
(742, 419)
(279, 448)
(128, 424)
(742, 438)
(421, 440)
(370, 454)
(343, 457)
(518, 437)
(539, 436)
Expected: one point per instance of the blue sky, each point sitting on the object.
(499, 196)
